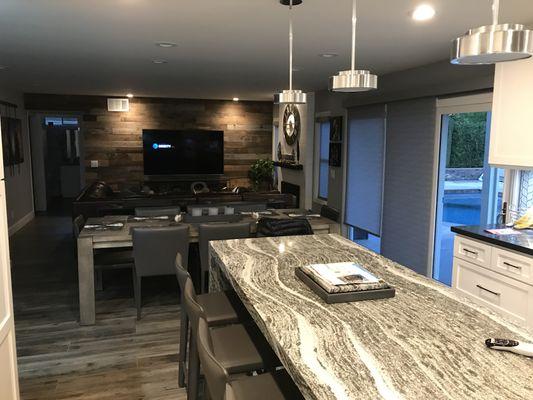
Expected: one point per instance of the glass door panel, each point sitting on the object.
(469, 190)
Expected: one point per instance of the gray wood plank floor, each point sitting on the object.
(119, 357)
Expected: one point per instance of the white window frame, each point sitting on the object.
(462, 104)
(513, 190)
(316, 158)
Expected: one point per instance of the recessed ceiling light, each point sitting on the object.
(166, 45)
(235, 99)
(328, 55)
(129, 95)
(423, 12)
(159, 61)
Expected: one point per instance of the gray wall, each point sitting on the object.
(331, 104)
(302, 178)
(412, 224)
(409, 170)
(438, 79)
(18, 178)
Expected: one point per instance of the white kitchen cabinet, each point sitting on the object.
(495, 277)
(511, 137)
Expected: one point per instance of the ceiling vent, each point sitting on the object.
(118, 105)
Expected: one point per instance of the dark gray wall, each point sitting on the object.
(18, 178)
(409, 169)
(398, 89)
(438, 79)
(332, 104)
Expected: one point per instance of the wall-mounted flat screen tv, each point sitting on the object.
(185, 153)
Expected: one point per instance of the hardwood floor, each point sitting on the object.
(119, 357)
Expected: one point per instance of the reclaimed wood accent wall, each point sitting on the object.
(115, 138)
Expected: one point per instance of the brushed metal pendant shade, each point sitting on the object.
(494, 43)
(353, 80)
(290, 96)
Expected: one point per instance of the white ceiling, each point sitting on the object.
(226, 48)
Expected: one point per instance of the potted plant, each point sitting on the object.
(261, 175)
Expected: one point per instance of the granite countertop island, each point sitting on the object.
(521, 241)
(425, 343)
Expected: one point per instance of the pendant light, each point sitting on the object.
(494, 43)
(353, 80)
(290, 96)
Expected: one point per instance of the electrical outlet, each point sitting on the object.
(94, 163)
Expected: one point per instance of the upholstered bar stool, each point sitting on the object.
(219, 308)
(232, 345)
(208, 232)
(222, 386)
(154, 251)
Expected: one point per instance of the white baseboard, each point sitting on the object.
(21, 223)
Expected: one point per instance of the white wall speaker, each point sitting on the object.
(118, 105)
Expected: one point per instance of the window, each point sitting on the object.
(323, 169)
(365, 239)
(525, 199)
(58, 121)
(469, 190)
(521, 196)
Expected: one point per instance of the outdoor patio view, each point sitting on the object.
(470, 192)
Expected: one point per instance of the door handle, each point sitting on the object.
(470, 251)
(488, 290)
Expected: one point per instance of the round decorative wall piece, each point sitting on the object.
(291, 124)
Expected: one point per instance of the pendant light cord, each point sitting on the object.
(354, 23)
(495, 11)
(290, 45)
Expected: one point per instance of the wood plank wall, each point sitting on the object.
(115, 138)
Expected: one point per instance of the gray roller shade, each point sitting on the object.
(364, 175)
(409, 166)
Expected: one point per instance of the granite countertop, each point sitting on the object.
(425, 343)
(522, 241)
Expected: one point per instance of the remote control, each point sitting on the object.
(514, 346)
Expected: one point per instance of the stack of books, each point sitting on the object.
(345, 281)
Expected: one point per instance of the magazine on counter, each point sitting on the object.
(343, 277)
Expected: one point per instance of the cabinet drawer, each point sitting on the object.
(472, 251)
(512, 264)
(504, 295)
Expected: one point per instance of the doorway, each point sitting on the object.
(469, 191)
(56, 154)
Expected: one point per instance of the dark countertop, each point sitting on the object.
(522, 241)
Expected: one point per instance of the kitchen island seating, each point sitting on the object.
(240, 349)
(208, 232)
(154, 251)
(221, 386)
(218, 309)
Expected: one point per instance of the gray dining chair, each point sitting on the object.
(222, 386)
(106, 259)
(209, 232)
(157, 211)
(154, 252)
(236, 349)
(221, 308)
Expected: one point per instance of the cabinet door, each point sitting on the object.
(511, 141)
(8, 356)
(504, 295)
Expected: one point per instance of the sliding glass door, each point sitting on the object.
(469, 191)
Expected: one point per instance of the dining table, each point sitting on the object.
(426, 342)
(115, 231)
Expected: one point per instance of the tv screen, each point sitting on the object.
(187, 152)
